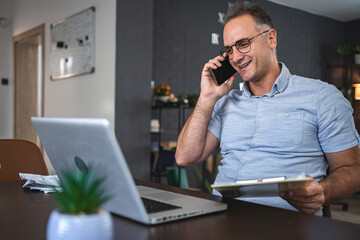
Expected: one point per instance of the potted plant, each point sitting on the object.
(357, 54)
(162, 92)
(344, 49)
(192, 98)
(79, 215)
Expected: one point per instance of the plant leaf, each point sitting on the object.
(81, 192)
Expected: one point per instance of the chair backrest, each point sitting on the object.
(327, 211)
(20, 156)
(327, 207)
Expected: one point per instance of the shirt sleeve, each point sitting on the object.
(336, 127)
(215, 125)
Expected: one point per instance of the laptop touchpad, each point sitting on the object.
(165, 196)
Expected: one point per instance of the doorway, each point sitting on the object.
(28, 84)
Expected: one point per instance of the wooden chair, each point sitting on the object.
(327, 208)
(20, 156)
(327, 211)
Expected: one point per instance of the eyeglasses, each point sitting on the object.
(243, 46)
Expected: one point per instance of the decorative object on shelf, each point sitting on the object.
(344, 48)
(155, 125)
(162, 92)
(169, 145)
(357, 54)
(192, 98)
(80, 215)
(172, 98)
(162, 98)
(347, 48)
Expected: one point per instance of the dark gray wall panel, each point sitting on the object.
(134, 50)
(352, 31)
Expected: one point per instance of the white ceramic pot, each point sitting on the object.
(357, 58)
(85, 226)
(162, 98)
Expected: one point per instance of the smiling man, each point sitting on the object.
(279, 124)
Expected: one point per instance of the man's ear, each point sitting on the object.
(272, 38)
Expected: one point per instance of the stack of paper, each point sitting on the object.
(46, 184)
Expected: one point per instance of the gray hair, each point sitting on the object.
(259, 14)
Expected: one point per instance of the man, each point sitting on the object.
(278, 125)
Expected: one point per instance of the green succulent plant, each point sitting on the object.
(80, 192)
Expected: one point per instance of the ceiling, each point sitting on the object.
(341, 10)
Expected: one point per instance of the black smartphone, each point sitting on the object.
(223, 73)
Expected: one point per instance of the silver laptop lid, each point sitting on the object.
(94, 141)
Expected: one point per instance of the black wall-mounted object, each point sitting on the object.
(4, 81)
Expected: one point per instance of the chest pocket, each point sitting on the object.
(286, 129)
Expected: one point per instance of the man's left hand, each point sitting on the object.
(308, 200)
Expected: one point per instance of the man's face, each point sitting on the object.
(255, 64)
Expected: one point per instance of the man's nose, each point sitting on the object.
(237, 55)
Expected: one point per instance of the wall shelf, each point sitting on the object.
(164, 156)
(350, 73)
(343, 76)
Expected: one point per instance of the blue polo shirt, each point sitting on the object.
(282, 133)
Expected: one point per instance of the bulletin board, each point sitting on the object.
(73, 45)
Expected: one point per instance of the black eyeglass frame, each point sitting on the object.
(223, 50)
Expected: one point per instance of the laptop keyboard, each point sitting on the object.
(153, 206)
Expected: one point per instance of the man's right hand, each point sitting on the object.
(195, 142)
(209, 89)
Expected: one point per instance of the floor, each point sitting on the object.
(352, 214)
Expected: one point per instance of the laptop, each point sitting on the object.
(94, 142)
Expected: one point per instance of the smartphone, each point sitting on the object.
(223, 73)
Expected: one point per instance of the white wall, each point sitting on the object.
(91, 95)
(5, 70)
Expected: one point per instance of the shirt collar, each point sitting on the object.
(281, 81)
(279, 85)
(246, 89)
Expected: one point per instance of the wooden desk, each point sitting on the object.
(24, 215)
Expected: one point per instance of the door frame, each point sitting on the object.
(39, 30)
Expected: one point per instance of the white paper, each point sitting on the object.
(42, 183)
(50, 180)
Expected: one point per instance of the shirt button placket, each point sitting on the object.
(259, 117)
